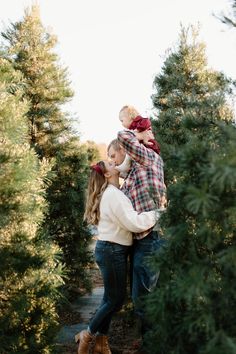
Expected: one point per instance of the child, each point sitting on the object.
(131, 119)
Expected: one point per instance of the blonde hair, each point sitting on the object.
(131, 111)
(96, 186)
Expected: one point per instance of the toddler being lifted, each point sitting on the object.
(131, 119)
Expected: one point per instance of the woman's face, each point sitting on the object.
(110, 167)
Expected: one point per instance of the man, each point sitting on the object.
(144, 185)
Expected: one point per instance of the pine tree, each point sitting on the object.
(192, 310)
(30, 269)
(29, 46)
(186, 89)
(67, 196)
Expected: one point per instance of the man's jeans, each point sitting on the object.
(143, 279)
(112, 261)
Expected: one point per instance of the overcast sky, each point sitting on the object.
(114, 48)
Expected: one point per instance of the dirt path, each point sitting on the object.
(123, 331)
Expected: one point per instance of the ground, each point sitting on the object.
(123, 335)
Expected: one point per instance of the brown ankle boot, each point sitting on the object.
(101, 345)
(84, 339)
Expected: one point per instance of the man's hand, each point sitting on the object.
(163, 202)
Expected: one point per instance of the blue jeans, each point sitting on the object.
(112, 261)
(143, 279)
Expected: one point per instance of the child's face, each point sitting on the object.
(125, 119)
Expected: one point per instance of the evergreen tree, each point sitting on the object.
(30, 49)
(30, 270)
(192, 310)
(93, 151)
(67, 195)
(186, 89)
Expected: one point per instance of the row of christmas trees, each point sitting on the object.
(193, 309)
(43, 242)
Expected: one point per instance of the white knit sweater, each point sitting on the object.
(118, 219)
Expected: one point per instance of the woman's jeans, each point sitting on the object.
(143, 279)
(112, 261)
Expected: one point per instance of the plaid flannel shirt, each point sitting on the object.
(144, 184)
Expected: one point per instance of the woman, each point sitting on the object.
(112, 212)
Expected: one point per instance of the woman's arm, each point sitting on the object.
(123, 213)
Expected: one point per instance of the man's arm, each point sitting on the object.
(137, 151)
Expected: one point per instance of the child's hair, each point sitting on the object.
(96, 186)
(131, 111)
